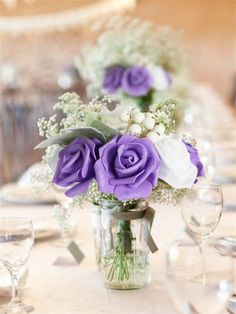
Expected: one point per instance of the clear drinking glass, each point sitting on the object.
(190, 294)
(16, 242)
(201, 208)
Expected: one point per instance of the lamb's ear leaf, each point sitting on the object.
(61, 140)
(71, 134)
(108, 132)
(90, 132)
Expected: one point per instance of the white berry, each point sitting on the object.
(135, 129)
(124, 116)
(148, 114)
(160, 129)
(138, 117)
(153, 137)
(148, 123)
(134, 111)
(152, 108)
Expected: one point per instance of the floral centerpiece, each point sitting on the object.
(134, 60)
(119, 168)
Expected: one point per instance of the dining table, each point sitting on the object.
(56, 284)
(72, 288)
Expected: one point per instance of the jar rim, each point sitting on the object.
(139, 204)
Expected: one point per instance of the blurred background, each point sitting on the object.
(40, 38)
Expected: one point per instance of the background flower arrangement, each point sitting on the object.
(134, 60)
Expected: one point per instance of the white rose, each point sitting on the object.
(176, 167)
(161, 79)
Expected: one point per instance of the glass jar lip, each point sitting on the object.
(110, 204)
(207, 185)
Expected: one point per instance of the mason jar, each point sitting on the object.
(97, 232)
(124, 249)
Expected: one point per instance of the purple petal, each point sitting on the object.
(125, 192)
(80, 188)
(66, 168)
(195, 159)
(112, 78)
(102, 178)
(126, 180)
(136, 81)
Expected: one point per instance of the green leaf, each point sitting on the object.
(90, 132)
(145, 101)
(71, 134)
(108, 132)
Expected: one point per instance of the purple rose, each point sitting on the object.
(195, 159)
(128, 167)
(75, 166)
(136, 81)
(112, 78)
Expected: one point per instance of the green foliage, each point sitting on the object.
(67, 137)
(107, 132)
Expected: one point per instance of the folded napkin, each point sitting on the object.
(21, 192)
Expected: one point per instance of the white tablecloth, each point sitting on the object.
(79, 289)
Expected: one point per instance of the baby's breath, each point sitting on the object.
(164, 193)
(189, 139)
(163, 113)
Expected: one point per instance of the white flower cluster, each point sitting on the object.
(143, 124)
(154, 124)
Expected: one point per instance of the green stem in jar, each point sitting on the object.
(121, 263)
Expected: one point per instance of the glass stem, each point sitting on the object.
(15, 298)
(202, 253)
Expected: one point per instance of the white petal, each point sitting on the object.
(161, 81)
(176, 167)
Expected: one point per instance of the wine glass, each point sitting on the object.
(16, 242)
(191, 295)
(201, 209)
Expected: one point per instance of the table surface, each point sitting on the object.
(79, 288)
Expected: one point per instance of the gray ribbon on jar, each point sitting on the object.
(148, 215)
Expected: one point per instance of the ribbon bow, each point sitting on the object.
(148, 214)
